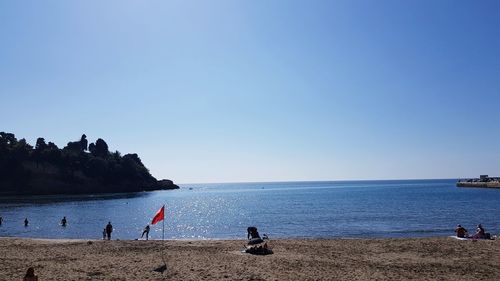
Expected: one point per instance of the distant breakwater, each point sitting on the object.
(478, 184)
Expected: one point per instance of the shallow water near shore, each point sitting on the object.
(357, 209)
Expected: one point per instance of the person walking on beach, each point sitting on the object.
(63, 221)
(25, 222)
(146, 231)
(109, 229)
(104, 234)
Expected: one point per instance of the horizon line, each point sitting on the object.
(336, 180)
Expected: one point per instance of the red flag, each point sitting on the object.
(160, 215)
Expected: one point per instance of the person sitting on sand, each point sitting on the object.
(146, 231)
(461, 232)
(480, 234)
(30, 275)
(252, 232)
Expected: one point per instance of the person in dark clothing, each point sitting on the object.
(1, 220)
(252, 232)
(109, 229)
(480, 234)
(26, 222)
(146, 231)
(461, 231)
(30, 275)
(253, 236)
(63, 221)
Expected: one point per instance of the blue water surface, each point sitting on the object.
(399, 208)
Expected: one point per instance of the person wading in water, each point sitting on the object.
(109, 229)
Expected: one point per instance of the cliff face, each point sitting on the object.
(49, 179)
(46, 169)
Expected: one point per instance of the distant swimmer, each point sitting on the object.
(63, 221)
(26, 222)
(1, 220)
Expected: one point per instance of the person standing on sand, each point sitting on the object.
(109, 229)
(25, 222)
(146, 231)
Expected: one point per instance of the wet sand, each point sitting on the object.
(293, 259)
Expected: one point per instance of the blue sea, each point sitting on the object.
(349, 209)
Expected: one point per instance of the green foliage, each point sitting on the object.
(92, 148)
(101, 148)
(77, 146)
(12, 155)
(72, 164)
(40, 144)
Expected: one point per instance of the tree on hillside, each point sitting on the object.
(78, 146)
(96, 168)
(13, 154)
(22, 150)
(40, 144)
(7, 142)
(8, 139)
(134, 168)
(52, 154)
(92, 148)
(101, 148)
(52, 145)
(69, 169)
(117, 155)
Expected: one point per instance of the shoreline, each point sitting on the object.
(442, 258)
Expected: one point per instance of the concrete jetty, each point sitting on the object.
(483, 181)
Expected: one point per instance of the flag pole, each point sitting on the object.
(163, 221)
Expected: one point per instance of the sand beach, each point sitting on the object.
(293, 259)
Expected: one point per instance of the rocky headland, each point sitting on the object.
(77, 168)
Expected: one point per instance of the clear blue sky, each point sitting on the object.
(225, 91)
